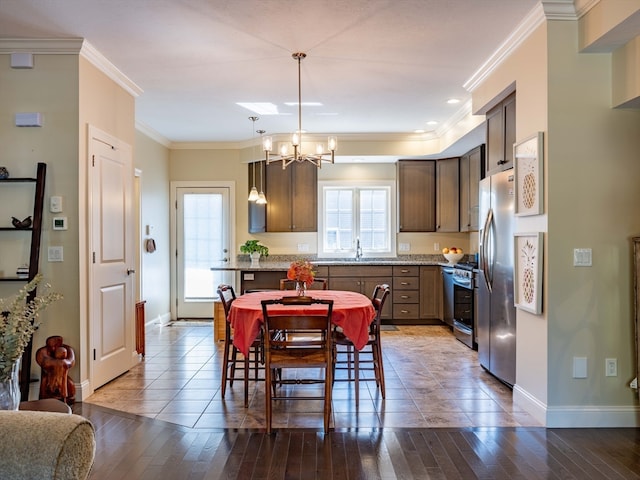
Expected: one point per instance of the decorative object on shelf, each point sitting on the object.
(296, 139)
(301, 271)
(22, 271)
(18, 321)
(4, 173)
(26, 223)
(527, 278)
(528, 175)
(254, 250)
(55, 360)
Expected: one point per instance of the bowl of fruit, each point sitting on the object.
(453, 254)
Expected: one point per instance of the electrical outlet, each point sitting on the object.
(436, 247)
(611, 367)
(404, 247)
(55, 254)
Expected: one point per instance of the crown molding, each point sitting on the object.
(524, 29)
(152, 134)
(41, 46)
(70, 46)
(559, 9)
(99, 61)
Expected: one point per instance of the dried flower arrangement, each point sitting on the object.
(19, 320)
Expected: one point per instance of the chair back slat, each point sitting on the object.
(227, 296)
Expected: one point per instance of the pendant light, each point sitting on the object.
(262, 199)
(253, 194)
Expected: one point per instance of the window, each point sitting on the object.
(352, 212)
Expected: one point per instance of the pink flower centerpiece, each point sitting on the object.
(301, 272)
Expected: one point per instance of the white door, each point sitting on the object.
(202, 221)
(113, 257)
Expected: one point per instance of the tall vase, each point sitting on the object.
(10, 389)
(301, 288)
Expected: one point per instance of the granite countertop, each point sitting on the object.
(282, 262)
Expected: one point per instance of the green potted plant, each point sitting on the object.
(254, 250)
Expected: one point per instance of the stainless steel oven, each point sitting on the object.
(463, 304)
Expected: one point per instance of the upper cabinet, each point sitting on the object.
(292, 197)
(501, 135)
(448, 195)
(417, 195)
(471, 168)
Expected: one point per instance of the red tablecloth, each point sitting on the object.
(352, 311)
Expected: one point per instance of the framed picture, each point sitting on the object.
(527, 280)
(528, 174)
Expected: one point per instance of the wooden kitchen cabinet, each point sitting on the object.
(430, 292)
(292, 198)
(362, 279)
(501, 135)
(417, 195)
(406, 292)
(471, 170)
(448, 195)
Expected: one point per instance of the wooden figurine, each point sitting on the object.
(55, 360)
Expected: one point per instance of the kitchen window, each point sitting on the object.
(352, 212)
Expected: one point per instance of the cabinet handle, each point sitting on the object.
(405, 283)
(404, 311)
(404, 297)
(404, 271)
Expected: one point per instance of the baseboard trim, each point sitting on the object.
(577, 416)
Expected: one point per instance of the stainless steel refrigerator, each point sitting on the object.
(495, 312)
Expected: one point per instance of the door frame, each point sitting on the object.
(174, 185)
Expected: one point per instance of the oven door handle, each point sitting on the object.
(463, 282)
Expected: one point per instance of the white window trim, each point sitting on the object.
(390, 184)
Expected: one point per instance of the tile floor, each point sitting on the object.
(432, 380)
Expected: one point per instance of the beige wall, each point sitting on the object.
(590, 172)
(49, 88)
(152, 160)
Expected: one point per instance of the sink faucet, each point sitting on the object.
(358, 249)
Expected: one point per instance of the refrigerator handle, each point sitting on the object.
(484, 261)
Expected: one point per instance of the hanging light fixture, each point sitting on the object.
(253, 193)
(262, 199)
(296, 141)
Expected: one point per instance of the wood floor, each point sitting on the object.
(131, 447)
(448, 420)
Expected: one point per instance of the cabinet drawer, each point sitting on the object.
(406, 271)
(322, 271)
(406, 310)
(406, 283)
(406, 296)
(360, 271)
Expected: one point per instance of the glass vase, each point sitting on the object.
(10, 389)
(301, 288)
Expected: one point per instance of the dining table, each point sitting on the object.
(352, 312)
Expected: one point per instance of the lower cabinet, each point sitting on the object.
(362, 279)
(430, 292)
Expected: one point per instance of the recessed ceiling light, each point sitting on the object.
(418, 131)
(261, 108)
(452, 101)
(432, 122)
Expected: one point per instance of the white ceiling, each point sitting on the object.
(377, 66)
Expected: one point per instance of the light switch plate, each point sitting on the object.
(582, 257)
(579, 367)
(55, 204)
(55, 254)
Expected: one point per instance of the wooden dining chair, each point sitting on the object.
(372, 350)
(293, 340)
(317, 284)
(232, 359)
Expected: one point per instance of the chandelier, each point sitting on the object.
(296, 140)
